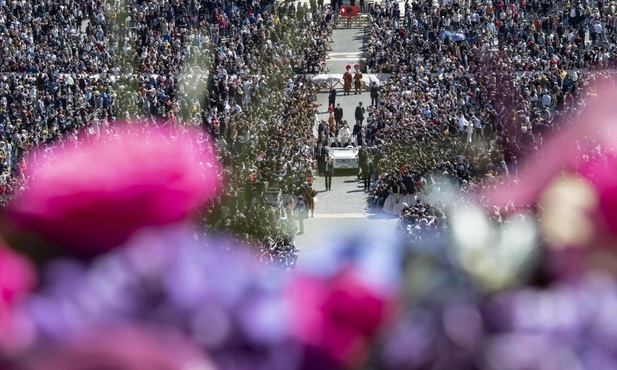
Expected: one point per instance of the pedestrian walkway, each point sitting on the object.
(347, 48)
(344, 209)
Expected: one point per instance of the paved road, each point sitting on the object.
(344, 209)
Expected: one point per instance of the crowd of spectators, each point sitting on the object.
(422, 220)
(441, 130)
(480, 36)
(267, 144)
(459, 115)
(454, 112)
(227, 66)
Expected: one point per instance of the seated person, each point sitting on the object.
(349, 143)
(336, 143)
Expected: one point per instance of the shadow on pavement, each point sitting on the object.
(346, 173)
(376, 213)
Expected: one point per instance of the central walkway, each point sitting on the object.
(344, 209)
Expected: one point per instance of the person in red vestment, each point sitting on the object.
(357, 77)
(347, 78)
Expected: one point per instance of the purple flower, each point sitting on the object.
(444, 335)
(118, 347)
(567, 326)
(222, 300)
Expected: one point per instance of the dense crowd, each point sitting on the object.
(473, 36)
(226, 66)
(475, 88)
(458, 111)
(266, 144)
(104, 268)
(439, 132)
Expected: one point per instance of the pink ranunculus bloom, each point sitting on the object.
(336, 318)
(91, 198)
(119, 347)
(17, 278)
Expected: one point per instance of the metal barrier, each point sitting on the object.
(357, 21)
(274, 196)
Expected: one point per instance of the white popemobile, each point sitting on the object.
(344, 158)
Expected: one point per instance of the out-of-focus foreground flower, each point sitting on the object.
(220, 299)
(347, 293)
(92, 197)
(17, 279)
(241, 315)
(118, 347)
(566, 326)
(575, 190)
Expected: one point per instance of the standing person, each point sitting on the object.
(309, 198)
(362, 9)
(300, 213)
(374, 93)
(367, 172)
(332, 129)
(329, 170)
(290, 207)
(359, 114)
(357, 133)
(357, 77)
(361, 137)
(338, 115)
(332, 98)
(347, 78)
(248, 191)
(469, 131)
(320, 157)
(322, 129)
(361, 162)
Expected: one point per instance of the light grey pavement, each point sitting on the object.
(345, 209)
(347, 48)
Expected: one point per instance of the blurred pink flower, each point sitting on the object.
(336, 318)
(561, 152)
(17, 278)
(17, 275)
(602, 174)
(119, 348)
(93, 197)
(579, 219)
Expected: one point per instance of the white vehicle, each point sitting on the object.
(344, 157)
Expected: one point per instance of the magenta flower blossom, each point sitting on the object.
(336, 318)
(120, 347)
(92, 198)
(17, 278)
(603, 176)
(347, 291)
